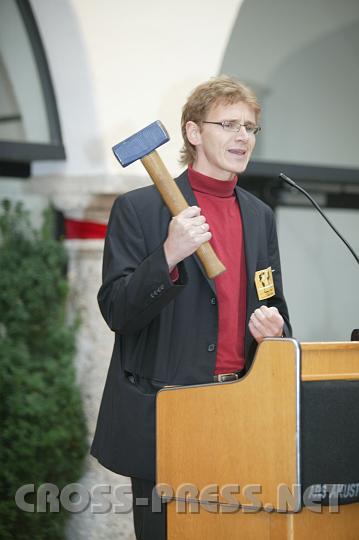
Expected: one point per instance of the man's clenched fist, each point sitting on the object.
(266, 322)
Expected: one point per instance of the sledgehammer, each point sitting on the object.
(142, 145)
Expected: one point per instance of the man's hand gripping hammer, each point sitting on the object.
(142, 145)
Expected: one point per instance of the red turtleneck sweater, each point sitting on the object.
(219, 205)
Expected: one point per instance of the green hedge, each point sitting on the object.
(43, 433)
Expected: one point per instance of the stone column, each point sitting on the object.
(94, 348)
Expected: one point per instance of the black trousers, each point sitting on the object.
(149, 513)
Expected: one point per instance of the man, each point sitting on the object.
(172, 325)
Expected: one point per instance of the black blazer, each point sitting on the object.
(165, 333)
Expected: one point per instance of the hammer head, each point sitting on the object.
(141, 143)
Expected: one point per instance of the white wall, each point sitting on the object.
(117, 66)
(311, 112)
(320, 274)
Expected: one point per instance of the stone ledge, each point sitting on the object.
(85, 197)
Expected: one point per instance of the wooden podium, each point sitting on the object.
(229, 455)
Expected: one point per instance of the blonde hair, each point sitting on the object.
(222, 89)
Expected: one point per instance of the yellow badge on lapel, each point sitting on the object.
(264, 283)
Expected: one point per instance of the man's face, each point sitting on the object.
(221, 153)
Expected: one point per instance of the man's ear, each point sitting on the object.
(193, 133)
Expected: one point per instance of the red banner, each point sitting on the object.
(84, 229)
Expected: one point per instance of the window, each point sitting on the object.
(29, 123)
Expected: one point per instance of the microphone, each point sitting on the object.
(316, 205)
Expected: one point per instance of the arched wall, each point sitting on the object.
(117, 66)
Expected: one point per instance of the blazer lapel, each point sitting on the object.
(185, 187)
(251, 249)
(250, 234)
(251, 246)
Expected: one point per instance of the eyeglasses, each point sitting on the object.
(234, 125)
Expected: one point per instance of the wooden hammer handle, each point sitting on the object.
(176, 202)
